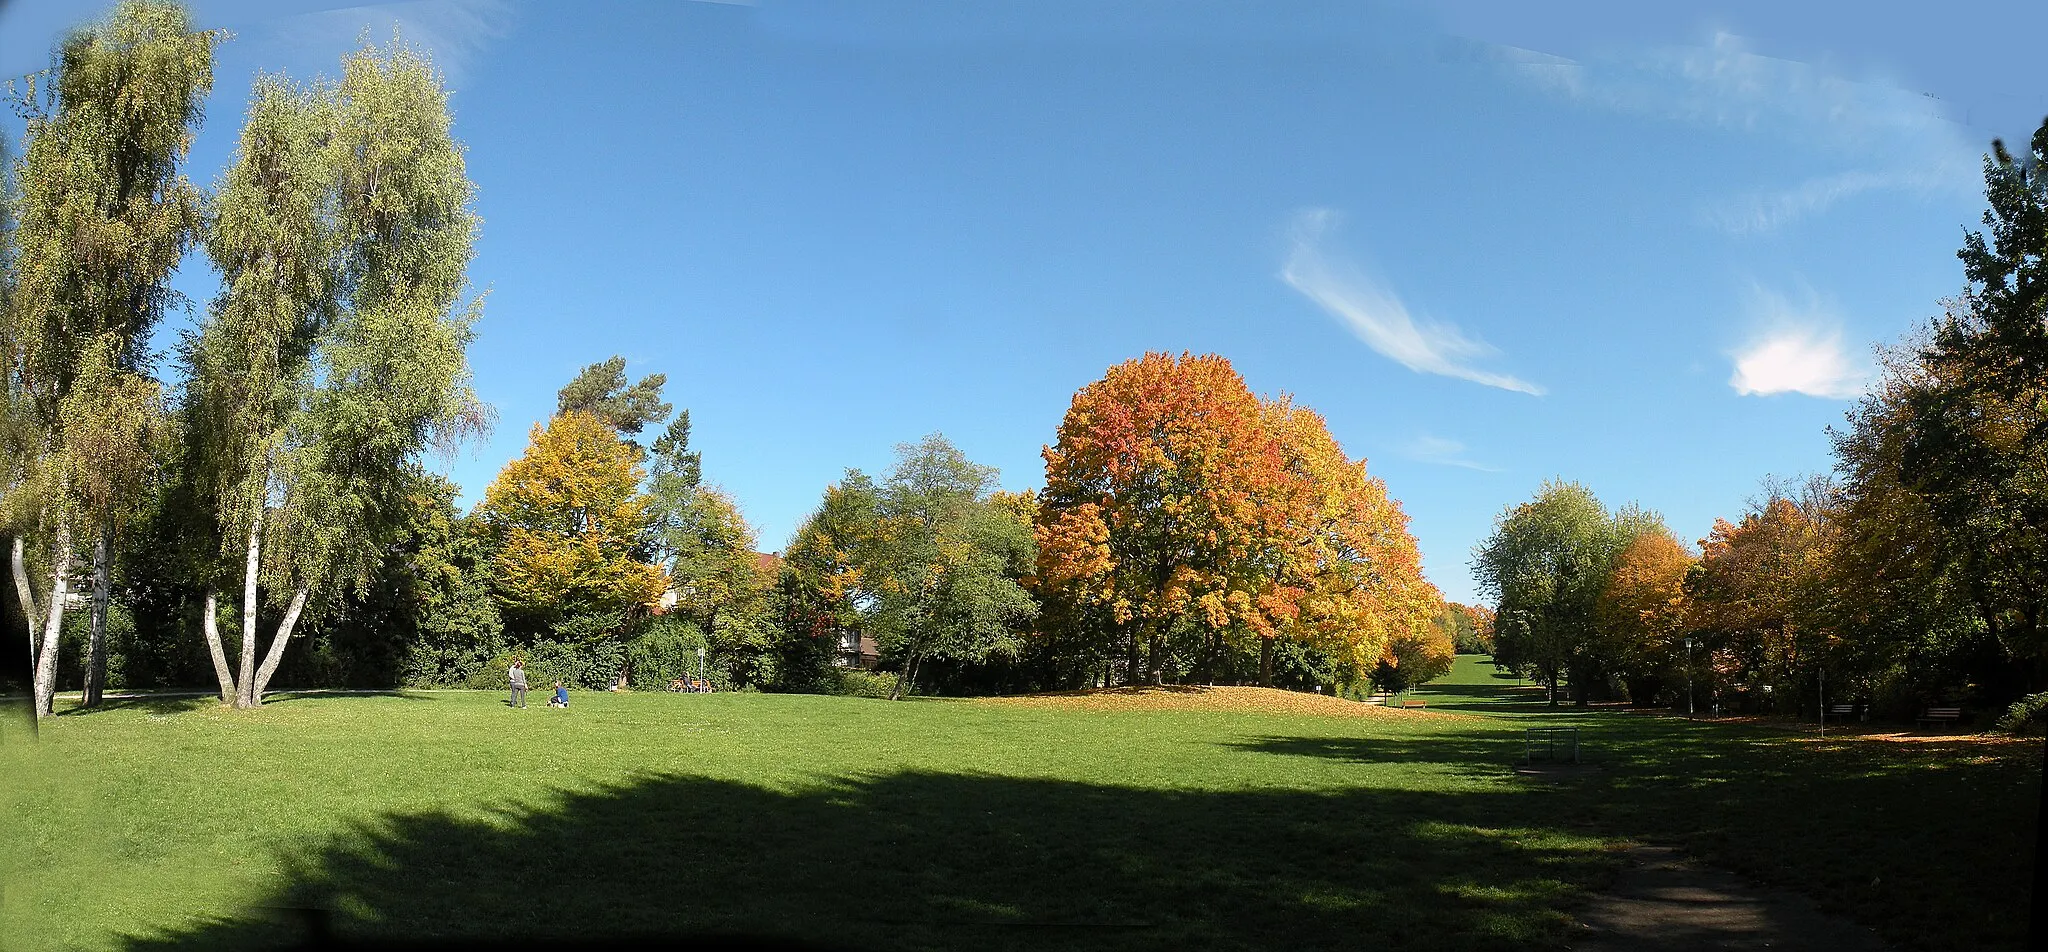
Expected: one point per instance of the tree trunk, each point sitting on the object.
(27, 596)
(1131, 659)
(53, 623)
(277, 643)
(247, 681)
(211, 626)
(1155, 665)
(909, 673)
(96, 645)
(1265, 662)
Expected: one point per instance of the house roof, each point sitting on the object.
(768, 563)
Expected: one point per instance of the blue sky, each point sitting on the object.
(1646, 249)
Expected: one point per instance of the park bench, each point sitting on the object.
(1414, 703)
(1940, 715)
(1843, 712)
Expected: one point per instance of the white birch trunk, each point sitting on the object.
(53, 622)
(96, 645)
(211, 626)
(247, 681)
(25, 594)
(277, 642)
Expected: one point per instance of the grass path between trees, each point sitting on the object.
(169, 823)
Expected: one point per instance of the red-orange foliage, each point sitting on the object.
(1176, 499)
(1160, 498)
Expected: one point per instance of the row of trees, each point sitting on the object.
(260, 483)
(1189, 531)
(1915, 573)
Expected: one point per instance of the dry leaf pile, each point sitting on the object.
(1230, 700)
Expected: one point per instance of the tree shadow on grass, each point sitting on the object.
(276, 697)
(940, 861)
(1929, 842)
(164, 705)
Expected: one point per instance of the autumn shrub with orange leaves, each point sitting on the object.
(1185, 519)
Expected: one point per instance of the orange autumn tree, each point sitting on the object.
(1641, 613)
(1350, 572)
(1758, 599)
(1179, 504)
(571, 525)
(1162, 503)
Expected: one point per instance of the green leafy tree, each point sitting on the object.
(929, 562)
(715, 574)
(1546, 565)
(445, 588)
(250, 368)
(1917, 623)
(105, 216)
(826, 579)
(1976, 427)
(946, 560)
(344, 246)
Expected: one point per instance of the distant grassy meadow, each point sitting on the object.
(939, 824)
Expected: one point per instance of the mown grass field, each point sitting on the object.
(931, 824)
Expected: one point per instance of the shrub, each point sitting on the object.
(857, 683)
(667, 650)
(590, 666)
(2026, 715)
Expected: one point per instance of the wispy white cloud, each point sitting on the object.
(1443, 452)
(1882, 136)
(1797, 349)
(455, 33)
(1377, 317)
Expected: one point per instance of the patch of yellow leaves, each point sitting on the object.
(1228, 700)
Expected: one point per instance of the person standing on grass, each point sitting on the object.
(518, 676)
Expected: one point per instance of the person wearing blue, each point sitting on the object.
(561, 696)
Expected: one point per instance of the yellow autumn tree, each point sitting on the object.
(1349, 572)
(1641, 614)
(571, 525)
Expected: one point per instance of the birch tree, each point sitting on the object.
(104, 218)
(336, 353)
(250, 367)
(18, 446)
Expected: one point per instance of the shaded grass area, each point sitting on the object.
(852, 823)
(1930, 842)
(846, 823)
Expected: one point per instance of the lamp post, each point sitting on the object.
(700, 666)
(1689, 710)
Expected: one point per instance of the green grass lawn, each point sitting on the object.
(172, 824)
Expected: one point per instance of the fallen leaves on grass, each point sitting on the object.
(1229, 700)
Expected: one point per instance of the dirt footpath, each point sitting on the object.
(1666, 901)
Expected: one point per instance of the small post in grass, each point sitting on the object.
(1689, 709)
